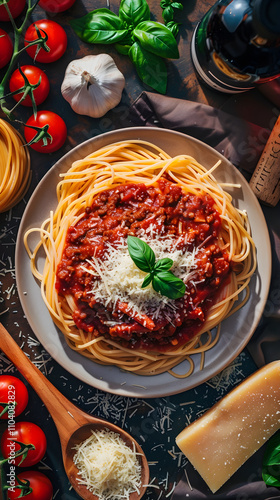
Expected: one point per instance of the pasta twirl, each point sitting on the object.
(89, 284)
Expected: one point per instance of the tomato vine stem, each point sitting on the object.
(17, 51)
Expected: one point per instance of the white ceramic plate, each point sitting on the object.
(236, 330)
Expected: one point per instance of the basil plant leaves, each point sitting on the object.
(163, 280)
(271, 462)
(146, 42)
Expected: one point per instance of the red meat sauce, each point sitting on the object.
(129, 209)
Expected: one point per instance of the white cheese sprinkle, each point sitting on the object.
(120, 279)
(107, 466)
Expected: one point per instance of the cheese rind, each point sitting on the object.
(220, 441)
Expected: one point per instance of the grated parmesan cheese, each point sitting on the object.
(107, 466)
(121, 280)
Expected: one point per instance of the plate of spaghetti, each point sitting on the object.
(153, 261)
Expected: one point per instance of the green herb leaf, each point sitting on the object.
(142, 255)
(150, 68)
(271, 462)
(164, 3)
(272, 452)
(168, 14)
(177, 5)
(163, 265)
(147, 281)
(100, 26)
(156, 38)
(173, 27)
(169, 285)
(271, 478)
(163, 281)
(133, 12)
(122, 49)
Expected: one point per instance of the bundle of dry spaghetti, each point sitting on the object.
(15, 174)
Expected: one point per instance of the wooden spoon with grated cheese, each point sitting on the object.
(73, 425)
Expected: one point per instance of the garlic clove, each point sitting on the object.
(93, 85)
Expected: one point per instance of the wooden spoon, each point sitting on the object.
(73, 425)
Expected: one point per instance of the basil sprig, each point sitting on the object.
(271, 462)
(168, 10)
(163, 280)
(146, 42)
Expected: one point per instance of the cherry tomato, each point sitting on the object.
(57, 40)
(15, 6)
(13, 396)
(39, 483)
(6, 48)
(57, 129)
(55, 6)
(33, 75)
(27, 433)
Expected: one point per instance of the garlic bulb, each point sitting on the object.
(93, 85)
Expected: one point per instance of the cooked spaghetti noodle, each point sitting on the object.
(95, 193)
(15, 172)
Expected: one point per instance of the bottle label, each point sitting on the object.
(265, 181)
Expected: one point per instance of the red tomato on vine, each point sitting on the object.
(13, 396)
(27, 433)
(39, 484)
(15, 6)
(33, 75)
(56, 42)
(6, 48)
(56, 6)
(56, 130)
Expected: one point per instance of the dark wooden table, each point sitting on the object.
(154, 423)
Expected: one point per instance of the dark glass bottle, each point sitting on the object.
(237, 44)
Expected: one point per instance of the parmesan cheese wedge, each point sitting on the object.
(220, 441)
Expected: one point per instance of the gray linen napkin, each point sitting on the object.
(239, 141)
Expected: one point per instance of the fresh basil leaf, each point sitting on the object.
(163, 265)
(164, 3)
(169, 285)
(173, 27)
(147, 280)
(177, 5)
(151, 69)
(100, 26)
(142, 255)
(122, 49)
(156, 38)
(133, 12)
(271, 461)
(272, 451)
(168, 14)
(271, 475)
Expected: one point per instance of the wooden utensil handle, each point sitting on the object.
(64, 413)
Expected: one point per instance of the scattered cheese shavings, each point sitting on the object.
(107, 466)
(119, 279)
